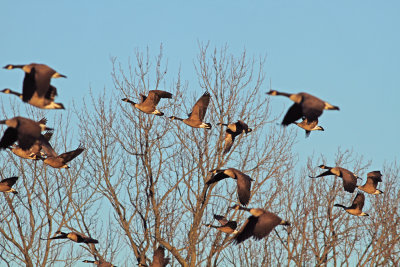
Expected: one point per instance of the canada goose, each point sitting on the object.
(234, 129)
(34, 152)
(309, 126)
(149, 103)
(100, 263)
(159, 259)
(226, 226)
(258, 225)
(61, 161)
(74, 236)
(199, 110)
(36, 89)
(356, 207)
(243, 182)
(6, 185)
(349, 179)
(24, 130)
(305, 105)
(373, 178)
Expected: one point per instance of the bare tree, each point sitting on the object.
(141, 181)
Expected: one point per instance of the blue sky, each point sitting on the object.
(345, 52)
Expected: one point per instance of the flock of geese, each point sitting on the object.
(34, 145)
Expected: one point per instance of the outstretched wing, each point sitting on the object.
(222, 220)
(200, 108)
(229, 139)
(10, 181)
(10, 137)
(358, 201)
(155, 96)
(217, 177)
(68, 156)
(293, 114)
(243, 187)
(247, 230)
(29, 86)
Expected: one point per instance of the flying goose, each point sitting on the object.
(258, 225)
(6, 185)
(373, 178)
(199, 110)
(74, 236)
(26, 131)
(356, 207)
(243, 182)
(159, 259)
(233, 130)
(226, 226)
(309, 126)
(100, 263)
(349, 178)
(34, 152)
(305, 105)
(36, 89)
(149, 103)
(60, 161)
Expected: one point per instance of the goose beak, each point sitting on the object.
(58, 75)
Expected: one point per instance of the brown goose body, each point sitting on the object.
(75, 236)
(258, 225)
(309, 126)
(356, 207)
(243, 182)
(349, 178)
(373, 178)
(23, 130)
(228, 227)
(198, 113)
(305, 105)
(37, 90)
(149, 103)
(100, 263)
(233, 130)
(34, 153)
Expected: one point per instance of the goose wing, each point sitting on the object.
(10, 137)
(29, 86)
(349, 180)
(222, 220)
(159, 259)
(155, 96)
(247, 230)
(374, 177)
(10, 181)
(217, 177)
(68, 156)
(200, 108)
(47, 148)
(243, 187)
(265, 224)
(293, 114)
(358, 202)
(229, 139)
(43, 74)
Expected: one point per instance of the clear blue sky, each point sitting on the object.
(345, 52)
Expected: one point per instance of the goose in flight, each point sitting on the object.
(36, 88)
(149, 103)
